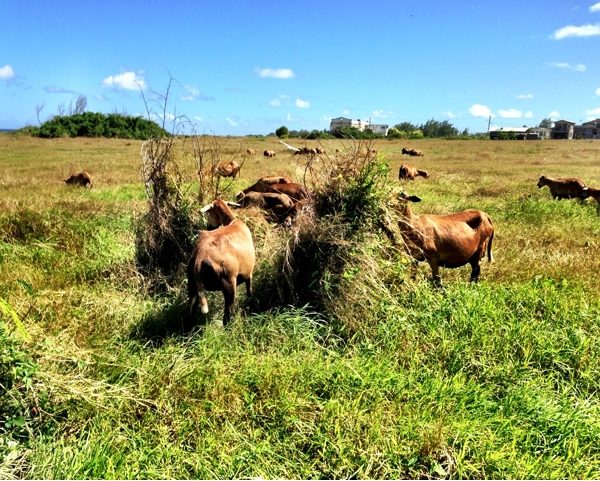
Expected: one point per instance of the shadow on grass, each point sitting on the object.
(170, 319)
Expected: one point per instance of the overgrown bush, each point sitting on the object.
(164, 236)
(96, 124)
(330, 246)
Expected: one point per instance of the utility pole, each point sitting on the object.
(489, 122)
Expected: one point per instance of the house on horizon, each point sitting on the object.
(362, 125)
(562, 129)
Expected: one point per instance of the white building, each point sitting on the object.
(361, 125)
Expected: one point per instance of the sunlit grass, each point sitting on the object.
(495, 380)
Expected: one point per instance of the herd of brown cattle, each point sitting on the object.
(224, 256)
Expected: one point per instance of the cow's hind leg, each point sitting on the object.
(229, 297)
(475, 270)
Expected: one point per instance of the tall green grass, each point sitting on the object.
(388, 378)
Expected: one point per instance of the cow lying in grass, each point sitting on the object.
(221, 259)
(452, 240)
(82, 179)
(409, 172)
(568, 188)
(277, 185)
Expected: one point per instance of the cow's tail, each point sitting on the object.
(423, 173)
(489, 248)
(196, 293)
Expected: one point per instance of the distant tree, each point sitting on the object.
(546, 123)
(405, 127)
(282, 132)
(435, 129)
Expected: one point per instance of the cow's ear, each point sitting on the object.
(414, 198)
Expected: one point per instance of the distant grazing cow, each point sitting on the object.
(221, 259)
(409, 172)
(250, 151)
(591, 192)
(306, 151)
(269, 153)
(447, 240)
(262, 184)
(413, 152)
(568, 188)
(231, 169)
(82, 179)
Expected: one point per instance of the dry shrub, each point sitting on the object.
(165, 234)
(334, 258)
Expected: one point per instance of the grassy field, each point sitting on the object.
(494, 380)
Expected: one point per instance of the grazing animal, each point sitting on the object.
(591, 192)
(82, 179)
(409, 172)
(306, 151)
(568, 188)
(413, 152)
(262, 184)
(447, 240)
(222, 258)
(269, 153)
(250, 151)
(231, 169)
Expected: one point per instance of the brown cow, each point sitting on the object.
(277, 205)
(231, 169)
(413, 152)
(82, 179)
(221, 259)
(447, 240)
(250, 151)
(269, 153)
(567, 188)
(262, 184)
(409, 172)
(591, 192)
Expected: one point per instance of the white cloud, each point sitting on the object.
(598, 91)
(587, 30)
(289, 117)
(449, 114)
(193, 93)
(478, 110)
(525, 96)
(528, 114)
(279, 101)
(595, 7)
(302, 104)
(345, 112)
(7, 72)
(281, 73)
(567, 66)
(125, 81)
(510, 114)
(232, 122)
(382, 114)
(555, 114)
(593, 112)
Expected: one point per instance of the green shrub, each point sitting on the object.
(95, 124)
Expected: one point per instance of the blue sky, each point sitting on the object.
(248, 67)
